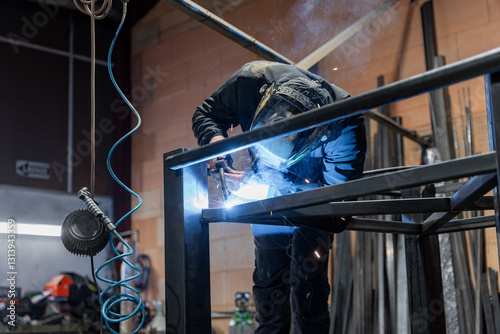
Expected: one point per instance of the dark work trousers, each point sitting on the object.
(291, 279)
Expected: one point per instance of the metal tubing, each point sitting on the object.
(469, 193)
(37, 47)
(364, 207)
(187, 259)
(226, 29)
(418, 268)
(492, 87)
(478, 164)
(466, 224)
(445, 75)
(71, 107)
(383, 226)
(388, 122)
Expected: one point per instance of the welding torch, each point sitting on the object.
(221, 164)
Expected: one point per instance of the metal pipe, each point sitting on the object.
(478, 164)
(382, 226)
(226, 29)
(71, 67)
(388, 122)
(467, 195)
(445, 75)
(33, 46)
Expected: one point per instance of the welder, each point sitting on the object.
(290, 276)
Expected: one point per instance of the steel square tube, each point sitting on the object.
(492, 92)
(187, 255)
(442, 76)
(467, 195)
(387, 226)
(448, 170)
(368, 207)
(380, 225)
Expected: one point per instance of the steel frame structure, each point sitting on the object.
(187, 267)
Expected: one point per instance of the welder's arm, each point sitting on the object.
(233, 178)
(344, 156)
(343, 161)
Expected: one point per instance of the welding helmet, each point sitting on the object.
(280, 102)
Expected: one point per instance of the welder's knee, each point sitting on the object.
(271, 283)
(310, 300)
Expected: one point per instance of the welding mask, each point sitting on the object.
(279, 103)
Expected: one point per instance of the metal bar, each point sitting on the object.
(492, 92)
(380, 316)
(387, 226)
(448, 278)
(347, 33)
(71, 107)
(480, 287)
(226, 29)
(494, 298)
(485, 299)
(388, 122)
(402, 300)
(465, 303)
(466, 224)
(363, 208)
(467, 195)
(391, 281)
(447, 170)
(339, 293)
(187, 260)
(29, 45)
(445, 75)
(367, 245)
(429, 33)
(416, 273)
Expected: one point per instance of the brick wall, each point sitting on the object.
(177, 63)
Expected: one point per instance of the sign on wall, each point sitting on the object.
(33, 169)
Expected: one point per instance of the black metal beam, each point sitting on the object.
(421, 175)
(368, 207)
(187, 260)
(467, 195)
(388, 122)
(492, 87)
(445, 75)
(467, 224)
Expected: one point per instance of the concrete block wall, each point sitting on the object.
(177, 62)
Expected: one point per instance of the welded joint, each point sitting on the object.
(460, 201)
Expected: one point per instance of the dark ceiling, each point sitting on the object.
(137, 8)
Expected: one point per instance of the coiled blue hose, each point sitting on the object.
(134, 296)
